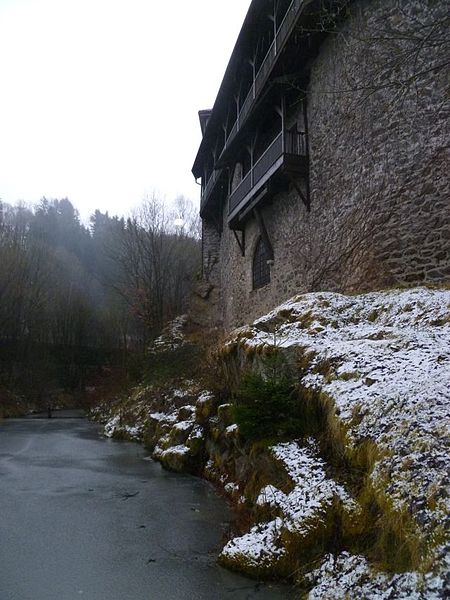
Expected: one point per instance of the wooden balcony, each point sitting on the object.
(287, 153)
(262, 75)
(210, 187)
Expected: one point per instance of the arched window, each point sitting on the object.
(261, 268)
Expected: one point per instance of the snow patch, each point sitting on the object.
(260, 547)
(313, 494)
(351, 576)
(390, 378)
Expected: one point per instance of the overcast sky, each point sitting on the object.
(99, 98)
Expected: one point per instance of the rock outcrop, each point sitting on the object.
(357, 504)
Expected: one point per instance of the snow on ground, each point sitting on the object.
(183, 425)
(165, 417)
(231, 428)
(172, 336)
(384, 359)
(197, 433)
(132, 432)
(231, 487)
(301, 512)
(390, 353)
(305, 507)
(350, 576)
(258, 548)
(111, 426)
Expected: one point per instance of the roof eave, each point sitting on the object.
(250, 18)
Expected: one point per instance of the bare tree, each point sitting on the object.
(158, 256)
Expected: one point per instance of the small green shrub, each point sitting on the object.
(273, 407)
(266, 409)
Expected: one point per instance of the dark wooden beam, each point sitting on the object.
(265, 236)
(241, 242)
(298, 189)
(251, 205)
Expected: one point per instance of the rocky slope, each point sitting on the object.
(355, 505)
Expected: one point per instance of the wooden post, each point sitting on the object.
(250, 150)
(274, 19)
(253, 63)
(224, 127)
(280, 111)
(305, 120)
(263, 231)
(204, 180)
(241, 242)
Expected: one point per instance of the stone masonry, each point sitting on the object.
(379, 163)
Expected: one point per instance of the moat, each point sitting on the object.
(86, 517)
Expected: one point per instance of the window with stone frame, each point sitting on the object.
(261, 266)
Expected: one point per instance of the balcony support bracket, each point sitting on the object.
(240, 241)
(262, 229)
(304, 196)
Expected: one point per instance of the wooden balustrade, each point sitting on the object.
(286, 144)
(282, 35)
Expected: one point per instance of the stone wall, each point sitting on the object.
(381, 132)
(378, 136)
(210, 251)
(205, 308)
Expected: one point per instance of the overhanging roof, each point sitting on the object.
(245, 38)
(245, 43)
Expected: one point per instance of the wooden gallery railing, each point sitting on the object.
(286, 143)
(215, 175)
(282, 35)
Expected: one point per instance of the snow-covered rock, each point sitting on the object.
(257, 551)
(115, 428)
(351, 576)
(381, 364)
(383, 360)
(390, 378)
(306, 506)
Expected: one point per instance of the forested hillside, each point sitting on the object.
(76, 298)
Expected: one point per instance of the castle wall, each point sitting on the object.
(210, 252)
(382, 147)
(378, 138)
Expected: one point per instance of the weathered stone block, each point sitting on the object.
(205, 407)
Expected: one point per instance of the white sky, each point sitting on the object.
(99, 98)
